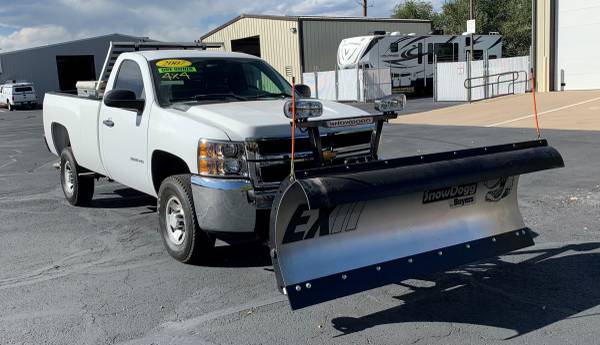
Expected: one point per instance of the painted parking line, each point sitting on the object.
(544, 112)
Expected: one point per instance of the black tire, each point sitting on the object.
(194, 245)
(10, 106)
(80, 190)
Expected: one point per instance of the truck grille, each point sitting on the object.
(269, 159)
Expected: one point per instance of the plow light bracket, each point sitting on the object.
(390, 104)
(305, 108)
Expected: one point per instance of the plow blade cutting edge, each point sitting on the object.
(338, 230)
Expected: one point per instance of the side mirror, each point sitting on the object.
(302, 90)
(124, 99)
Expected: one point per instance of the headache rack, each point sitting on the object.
(117, 48)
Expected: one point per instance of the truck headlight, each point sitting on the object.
(222, 158)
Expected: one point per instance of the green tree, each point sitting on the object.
(414, 9)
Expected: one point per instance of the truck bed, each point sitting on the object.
(79, 116)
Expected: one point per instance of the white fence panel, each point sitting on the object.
(326, 85)
(519, 65)
(450, 81)
(309, 79)
(377, 83)
(348, 85)
(504, 77)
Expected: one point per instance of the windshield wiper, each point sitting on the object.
(275, 95)
(209, 96)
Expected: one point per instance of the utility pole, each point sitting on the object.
(470, 57)
(364, 7)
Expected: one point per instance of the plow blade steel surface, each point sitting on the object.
(336, 231)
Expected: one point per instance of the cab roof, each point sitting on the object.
(168, 54)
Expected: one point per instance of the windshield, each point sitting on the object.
(216, 80)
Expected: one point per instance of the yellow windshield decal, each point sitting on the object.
(173, 63)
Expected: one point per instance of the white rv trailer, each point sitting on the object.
(411, 57)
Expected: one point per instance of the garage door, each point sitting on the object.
(578, 46)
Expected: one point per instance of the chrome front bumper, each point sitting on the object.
(227, 205)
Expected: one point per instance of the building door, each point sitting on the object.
(74, 68)
(249, 45)
(578, 54)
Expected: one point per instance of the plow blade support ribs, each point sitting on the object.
(340, 230)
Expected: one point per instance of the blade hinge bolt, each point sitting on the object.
(344, 277)
(378, 268)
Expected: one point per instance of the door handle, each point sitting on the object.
(108, 123)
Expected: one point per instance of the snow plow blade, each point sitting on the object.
(340, 230)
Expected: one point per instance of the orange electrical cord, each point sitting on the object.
(535, 113)
(292, 172)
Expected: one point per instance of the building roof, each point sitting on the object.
(74, 41)
(314, 18)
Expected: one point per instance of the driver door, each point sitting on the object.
(124, 132)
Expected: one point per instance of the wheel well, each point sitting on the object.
(60, 137)
(164, 165)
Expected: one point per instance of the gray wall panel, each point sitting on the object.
(38, 65)
(321, 38)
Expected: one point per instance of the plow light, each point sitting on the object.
(390, 104)
(304, 109)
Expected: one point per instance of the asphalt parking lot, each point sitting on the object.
(99, 275)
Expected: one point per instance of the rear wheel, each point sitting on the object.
(178, 226)
(10, 106)
(78, 190)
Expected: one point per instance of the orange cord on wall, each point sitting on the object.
(293, 170)
(535, 113)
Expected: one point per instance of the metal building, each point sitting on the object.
(566, 56)
(57, 67)
(295, 44)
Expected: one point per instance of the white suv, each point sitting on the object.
(17, 95)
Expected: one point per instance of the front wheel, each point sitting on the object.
(178, 226)
(10, 106)
(78, 190)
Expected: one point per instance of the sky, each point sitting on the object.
(31, 23)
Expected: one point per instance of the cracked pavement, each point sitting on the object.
(99, 275)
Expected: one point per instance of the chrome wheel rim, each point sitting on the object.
(175, 221)
(69, 179)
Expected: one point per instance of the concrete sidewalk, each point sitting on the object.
(573, 110)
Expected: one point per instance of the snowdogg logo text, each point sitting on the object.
(458, 193)
(306, 224)
(349, 122)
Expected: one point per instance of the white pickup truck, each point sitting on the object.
(204, 132)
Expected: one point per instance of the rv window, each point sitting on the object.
(430, 53)
(477, 55)
(420, 53)
(492, 57)
(394, 47)
(444, 52)
(455, 55)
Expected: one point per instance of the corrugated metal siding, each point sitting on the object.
(322, 38)
(278, 45)
(38, 65)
